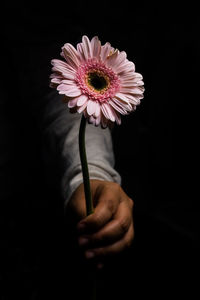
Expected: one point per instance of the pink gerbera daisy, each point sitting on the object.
(98, 81)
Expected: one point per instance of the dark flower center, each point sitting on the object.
(98, 80)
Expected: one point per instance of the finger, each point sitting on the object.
(113, 249)
(96, 220)
(103, 212)
(112, 231)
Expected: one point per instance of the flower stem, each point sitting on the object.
(83, 157)
(88, 196)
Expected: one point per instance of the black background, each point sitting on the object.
(154, 149)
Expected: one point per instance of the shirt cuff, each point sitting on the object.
(104, 172)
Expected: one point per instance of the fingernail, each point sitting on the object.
(83, 241)
(89, 254)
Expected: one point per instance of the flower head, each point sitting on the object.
(98, 81)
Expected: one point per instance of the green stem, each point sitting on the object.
(83, 157)
(88, 196)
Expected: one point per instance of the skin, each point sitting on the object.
(110, 229)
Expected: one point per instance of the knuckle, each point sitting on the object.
(123, 224)
(97, 238)
(110, 205)
(97, 219)
(118, 188)
(131, 203)
(115, 187)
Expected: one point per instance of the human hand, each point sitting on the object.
(110, 229)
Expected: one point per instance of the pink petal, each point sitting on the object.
(61, 87)
(98, 120)
(138, 75)
(73, 93)
(98, 110)
(107, 111)
(87, 49)
(117, 117)
(64, 69)
(118, 60)
(117, 108)
(124, 105)
(138, 90)
(131, 81)
(80, 51)
(96, 46)
(126, 90)
(127, 76)
(68, 91)
(56, 80)
(69, 82)
(91, 107)
(59, 68)
(128, 83)
(111, 59)
(68, 75)
(140, 82)
(105, 51)
(92, 120)
(59, 63)
(66, 87)
(125, 67)
(118, 120)
(121, 58)
(81, 108)
(133, 99)
(72, 103)
(104, 111)
(71, 55)
(81, 100)
(122, 97)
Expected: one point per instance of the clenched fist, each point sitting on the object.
(110, 229)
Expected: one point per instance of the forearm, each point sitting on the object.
(100, 158)
(60, 134)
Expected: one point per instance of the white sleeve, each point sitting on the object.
(61, 130)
